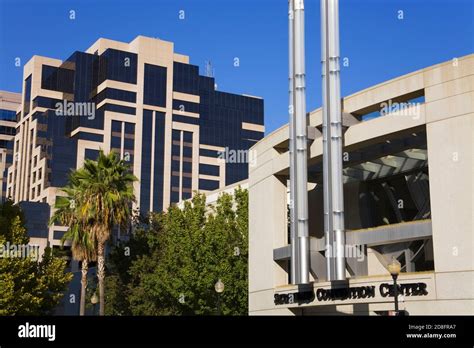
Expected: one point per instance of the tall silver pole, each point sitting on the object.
(328, 232)
(332, 137)
(293, 239)
(301, 175)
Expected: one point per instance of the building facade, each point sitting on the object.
(408, 163)
(9, 107)
(141, 100)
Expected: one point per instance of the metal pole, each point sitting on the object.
(332, 127)
(218, 304)
(293, 239)
(328, 232)
(301, 175)
(336, 140)
(395, 292)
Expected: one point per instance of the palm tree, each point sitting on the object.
(106, 196)
(82, 245)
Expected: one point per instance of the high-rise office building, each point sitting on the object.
(9, 104)
(142, 100)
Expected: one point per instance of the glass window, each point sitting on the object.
(116, 126)
(208, 169)
(116, 94)
(145, 180)
(57, 79)
(208, 185)
(7, 115)
(118, 66)
(129, 128)
(159, 161)
(27, 96)
(154, 91)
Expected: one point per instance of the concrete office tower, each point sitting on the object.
(142, 100)
(408, 169)
(9, 107)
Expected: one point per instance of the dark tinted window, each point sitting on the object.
(208, 169)
(7, 115)
(188, 137)
(128, 144)
(7, 130)
(185, 78)
(154, 91)
(145, 181)
(89, 136)
(208, 153)
(116, 94)
(175, 166)
(174, 197)
(45, 102)
(182, 105)
(187, 182)
(187, 167)
(119, 108)
(129, 128)
(57, 79)
(176, 135)
(27, 96)
(208, 185)
(187, 151)
(91, 154)
(175, 150)
(159, 161)
(115, 142)
(185, 119)
(174, 181)
(118, 66)
(116, 126)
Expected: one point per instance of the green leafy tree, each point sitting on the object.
(229, 229)
(28, 286)
(119, 262)
(181, 255)
(8, 212)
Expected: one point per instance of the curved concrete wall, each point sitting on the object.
(447, 117)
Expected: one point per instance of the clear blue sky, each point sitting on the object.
(378, 44)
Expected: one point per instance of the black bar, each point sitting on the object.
(237, 330)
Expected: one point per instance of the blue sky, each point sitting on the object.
(379, 46)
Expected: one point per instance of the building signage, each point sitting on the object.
(345, 293)
(412, 289)
(297, 297)
(360, 292)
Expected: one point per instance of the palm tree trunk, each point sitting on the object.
(82, 307)
(101, 276)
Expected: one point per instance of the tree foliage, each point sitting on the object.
(27, 286)
(103, 190)
(8, 213)
(175, 261)
(69, 212)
